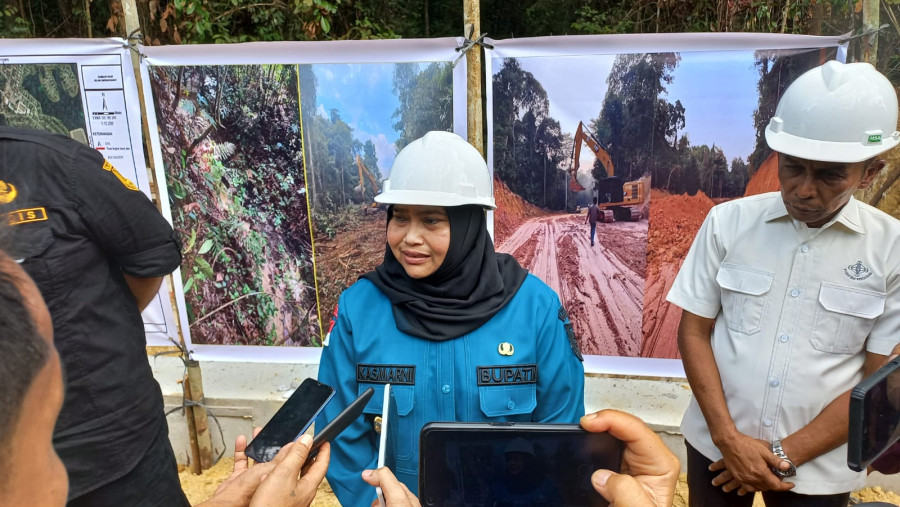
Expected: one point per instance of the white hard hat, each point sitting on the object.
(836, 113)
(439, 169)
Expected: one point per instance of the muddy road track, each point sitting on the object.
(602, 287)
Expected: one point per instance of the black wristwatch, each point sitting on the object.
(779, 452)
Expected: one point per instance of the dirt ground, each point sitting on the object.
(601, 286)
(200, 487)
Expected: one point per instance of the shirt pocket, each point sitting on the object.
(511, 402)
(844, 317)
(407, 429)
(29, 246)
(744, 296)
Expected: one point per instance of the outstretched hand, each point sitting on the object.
(649, 469)
(284, 481)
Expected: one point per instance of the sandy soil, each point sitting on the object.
(200, 487)
(602, 287)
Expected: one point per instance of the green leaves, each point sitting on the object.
(205, 247)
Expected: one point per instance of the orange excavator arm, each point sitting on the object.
(581, 135)
(364, 171)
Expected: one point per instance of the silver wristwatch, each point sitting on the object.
(779, 452)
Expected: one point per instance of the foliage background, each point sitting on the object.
(208, 21)
(232, 149)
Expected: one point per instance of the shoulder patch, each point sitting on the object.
(125, 181)
(570, 333)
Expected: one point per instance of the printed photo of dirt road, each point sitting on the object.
(658, 139)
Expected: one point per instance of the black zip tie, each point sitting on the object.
(469, 43)
(870, 31)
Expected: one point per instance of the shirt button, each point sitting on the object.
(784, 338)
(767, 423)
(445, 389)
(804, 248)
(511, 405)
(795, 293)
(774, 382)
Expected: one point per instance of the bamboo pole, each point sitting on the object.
(474, 77)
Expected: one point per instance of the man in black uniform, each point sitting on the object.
(97, 249)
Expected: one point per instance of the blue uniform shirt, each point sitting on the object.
(462, 379)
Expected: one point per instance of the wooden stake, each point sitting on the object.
(201, 421)
(869, 43)
(192, 431)
(474, 79)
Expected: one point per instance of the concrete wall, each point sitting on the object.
(244, 395)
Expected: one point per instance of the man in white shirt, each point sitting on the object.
(789, 299)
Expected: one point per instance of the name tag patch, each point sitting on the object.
(507, 375)
(386, 374)
(24, 216)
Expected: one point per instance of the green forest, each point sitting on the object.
(216, 21)
(640, 129)
(232, 151)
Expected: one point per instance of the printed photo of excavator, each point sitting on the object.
(668, 136)
(618, 200)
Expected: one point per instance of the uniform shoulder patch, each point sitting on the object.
(570, 332)
(122, 179)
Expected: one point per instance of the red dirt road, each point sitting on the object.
(602, 287)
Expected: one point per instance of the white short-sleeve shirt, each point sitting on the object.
(796, 309)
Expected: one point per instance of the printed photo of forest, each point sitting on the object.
(356, 117)
(660, 138)
(232, 149)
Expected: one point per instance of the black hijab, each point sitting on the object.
(468, 288)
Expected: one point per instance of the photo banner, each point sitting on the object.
(268, 156)
(84, 89)
(658, 128)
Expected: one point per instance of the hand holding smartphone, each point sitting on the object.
(292, 420)
(513, 463)
(874, 416)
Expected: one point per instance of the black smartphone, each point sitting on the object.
(340, 423)
(874, 416)
(513, 464)
(291, 420)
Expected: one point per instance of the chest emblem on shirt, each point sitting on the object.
(8, 192)
(506, 349)
(24, 216)
(386, 374)
(507, 375)
(857, 271)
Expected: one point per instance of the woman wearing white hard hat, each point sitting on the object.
(459, 331)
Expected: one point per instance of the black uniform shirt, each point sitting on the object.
(76, 226)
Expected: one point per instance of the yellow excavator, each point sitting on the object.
(617, 199)
(360, 189)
